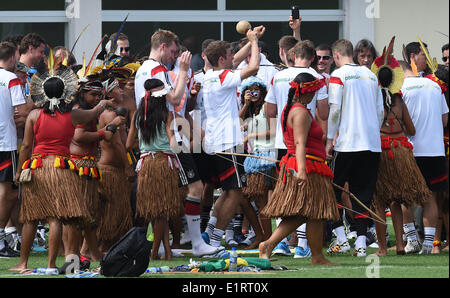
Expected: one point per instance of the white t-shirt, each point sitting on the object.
(278, 95)
(266, 72)
(223, 129)
(426, 104)
(11, 95)
(356, 91)
(199, 107)
(150, 69)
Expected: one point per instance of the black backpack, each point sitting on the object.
(129, 257)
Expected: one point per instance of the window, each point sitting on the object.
(191, 34)
(53, 33)
(33, 5)
(317, 32)
(159, 5)
(282, 4)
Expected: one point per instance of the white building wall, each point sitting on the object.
(407, 18)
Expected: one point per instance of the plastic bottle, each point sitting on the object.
(157, 269)
(233, 260)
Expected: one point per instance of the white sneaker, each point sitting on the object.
(426, 250)
(374, 245)
(205, 249)
(412, 246)
(360, 252)
(337, 248)
(352, 235)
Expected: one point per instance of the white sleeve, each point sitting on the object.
(15, 90)
(322, 93)
(444, 105)
(270, 97)
(334, 120)
(380, 107)
(335, 94)
(230, 78)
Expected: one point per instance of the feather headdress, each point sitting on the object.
(387, 61)
(66, 75)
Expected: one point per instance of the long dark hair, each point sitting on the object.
(152, 120)
(385, 77)
(303, 77)
(254, 107)
(54, 88)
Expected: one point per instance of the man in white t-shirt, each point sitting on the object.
(356, 115)
(11, 97)
(429, 113)
(276, 98)
(223, 131)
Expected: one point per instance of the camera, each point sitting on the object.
(295, 12)
(254, 93)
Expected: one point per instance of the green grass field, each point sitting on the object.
(391, 266)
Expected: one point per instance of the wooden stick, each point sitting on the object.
(359, 202)
(335, 185)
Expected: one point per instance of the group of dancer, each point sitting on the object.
(121, 141)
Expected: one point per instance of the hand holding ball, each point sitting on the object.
(243, 26)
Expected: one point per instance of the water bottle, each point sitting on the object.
(158, 269)
(233, 260)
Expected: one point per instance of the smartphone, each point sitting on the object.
(295, 12)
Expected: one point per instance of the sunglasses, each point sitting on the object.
(127, 49)
(444, 59)
(323, 57)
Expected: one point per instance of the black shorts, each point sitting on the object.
(228, 170)
(8, 166)
(434, 171)
(280, 154)
(188, 172)
(360, 170)
(203, 163)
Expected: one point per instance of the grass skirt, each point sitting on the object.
(115, 193)
(259, 184)
(158, 193)
(399, 177)
(51, 193)
(314, 199)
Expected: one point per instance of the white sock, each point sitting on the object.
(360, 242)
(2, 239)
(211, 225)
(340, 234)
(216, 237)
(10, 230)
(410, 231)
(229, 232)
(301, 236)
(193, 223)
(429, 233)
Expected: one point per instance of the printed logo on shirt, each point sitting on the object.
(348, 78)
(2, 84)
(281, 80)
(421, 87)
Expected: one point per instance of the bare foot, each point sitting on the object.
(264, 250)
(436, 250)
(380, 253)
(255, 243)
(321, 261)
(18, 267)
